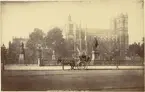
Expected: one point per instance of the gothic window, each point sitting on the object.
(70, 28)
(126, 24)
(122, 23)
(117, 24)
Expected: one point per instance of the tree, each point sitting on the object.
(141, 51)
(14, 50)
(136, 49)
(54, 39)
(35, 38)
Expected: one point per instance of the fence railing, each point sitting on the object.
(119, 62)
(96, 62)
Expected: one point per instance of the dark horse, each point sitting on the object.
(67, 61)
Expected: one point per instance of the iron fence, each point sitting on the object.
(119, 62)
(96, 62)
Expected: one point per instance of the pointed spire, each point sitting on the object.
(86, 33)
(114, 24)
(69, 17)
(86, 40)
(80, 36)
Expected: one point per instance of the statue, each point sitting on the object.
(53, 52)
(53, 55)
(95, 53)
(22, 48)
(95, 44)
(39, 56)
(22, 54)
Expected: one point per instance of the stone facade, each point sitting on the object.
(109, 39)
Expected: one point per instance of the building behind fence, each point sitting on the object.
(113, 41)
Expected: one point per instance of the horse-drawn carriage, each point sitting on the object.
(83, 62)
(80, 62)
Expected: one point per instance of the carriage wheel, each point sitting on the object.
(85, 66)
(82, 65)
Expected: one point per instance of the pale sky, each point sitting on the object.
(19, 19)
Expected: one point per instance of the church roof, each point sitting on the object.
(95, 31)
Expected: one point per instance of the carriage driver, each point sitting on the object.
(83, 57)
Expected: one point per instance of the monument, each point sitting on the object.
(39, 56)
(95, 52)
(22, 54)
(53, 55)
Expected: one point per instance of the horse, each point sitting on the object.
(65, 61)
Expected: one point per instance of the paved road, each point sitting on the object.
(112, 80)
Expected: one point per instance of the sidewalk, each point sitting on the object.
(36, 67)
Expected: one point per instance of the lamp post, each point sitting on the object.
(3, 56)
(117, 59)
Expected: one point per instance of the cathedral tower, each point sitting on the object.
(70, 34)
(70, 29)
(122, 32)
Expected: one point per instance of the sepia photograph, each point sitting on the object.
(81, 45)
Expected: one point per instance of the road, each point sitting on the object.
(113, 80)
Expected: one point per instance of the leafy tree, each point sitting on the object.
(141, 51)
(54, 39)
(136, 49)
(14, 50)
(35, 38)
